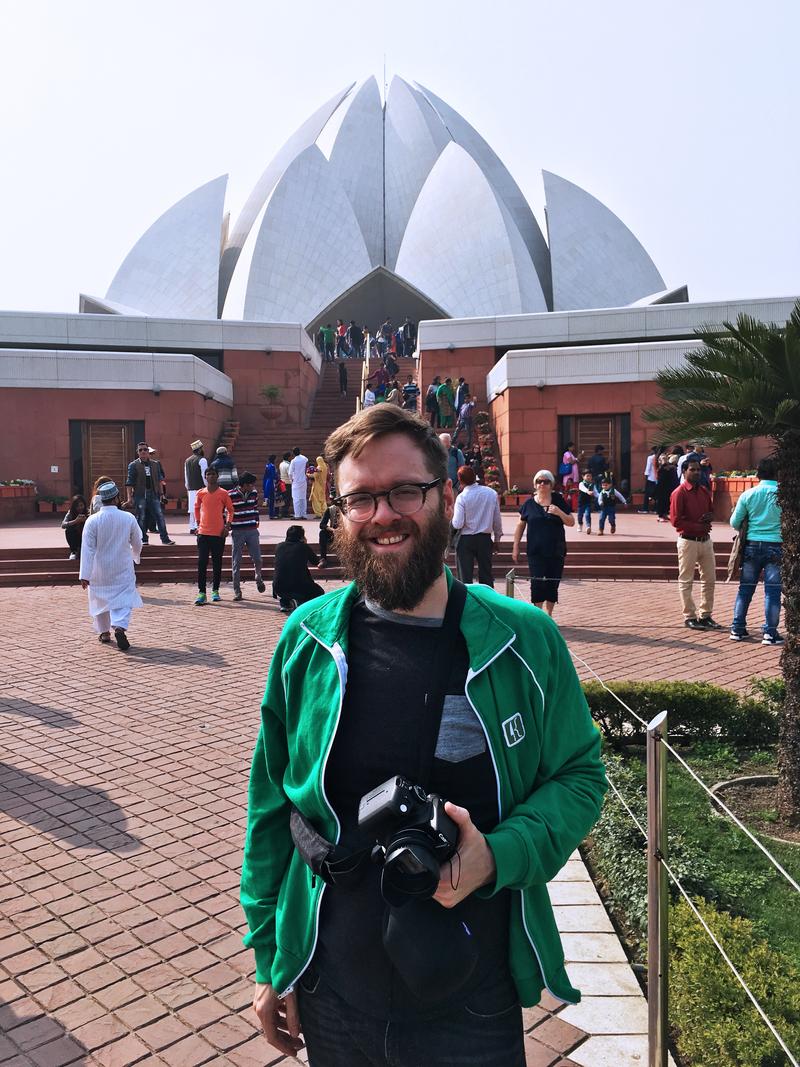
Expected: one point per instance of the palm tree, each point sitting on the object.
(745, 383)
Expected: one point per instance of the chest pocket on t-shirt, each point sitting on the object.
(460, 733)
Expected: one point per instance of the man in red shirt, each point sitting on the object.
(691, 512)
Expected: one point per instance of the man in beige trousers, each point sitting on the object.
(691, 512)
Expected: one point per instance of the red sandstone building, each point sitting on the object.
(77, 391)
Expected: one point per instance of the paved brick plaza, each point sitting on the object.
(122, 793)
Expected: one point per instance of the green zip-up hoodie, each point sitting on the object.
(543, 743)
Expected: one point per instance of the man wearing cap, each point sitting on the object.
(244, 531)
(225, 466)
(145, 486)
(112, 543)
(194, 478)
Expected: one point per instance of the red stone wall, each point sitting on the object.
(250, 371)
(526, 424)
(36, 428)
(473, 364)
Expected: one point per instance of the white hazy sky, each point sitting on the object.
(680, 117)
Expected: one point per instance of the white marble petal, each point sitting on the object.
(501, 181)
(173, 268)
(300, 140)
(414, 139)
(596, 260)
(356, 160)
(461, 247)
(310, 247)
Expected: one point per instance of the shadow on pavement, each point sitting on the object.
(81, 816)
(176, 657)
(633, 639)
(57, 1045)
(50, 716)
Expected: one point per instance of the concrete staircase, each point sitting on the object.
(606, 559)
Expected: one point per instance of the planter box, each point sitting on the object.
(725, 493)
(45, 507)
(62, 509)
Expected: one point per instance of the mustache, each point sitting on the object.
(400, 526)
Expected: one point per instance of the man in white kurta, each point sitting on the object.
(112, 543)
(297, 473)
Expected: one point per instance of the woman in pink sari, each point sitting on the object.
(569, 469)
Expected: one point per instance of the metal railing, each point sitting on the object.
(659, 874)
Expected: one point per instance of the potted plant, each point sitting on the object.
(274, 408)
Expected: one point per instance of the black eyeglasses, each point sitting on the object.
(405, 499)
(542, 481)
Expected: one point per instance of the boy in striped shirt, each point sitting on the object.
(244, 530)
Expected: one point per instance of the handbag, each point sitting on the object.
(737, 552)
(564, 468)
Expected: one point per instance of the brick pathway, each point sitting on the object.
(122, 790)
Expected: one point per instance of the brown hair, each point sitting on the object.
(466, 475)
(380, 421)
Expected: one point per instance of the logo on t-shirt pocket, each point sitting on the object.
(514, 730)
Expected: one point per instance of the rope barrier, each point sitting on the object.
(677, 882)
(731, 965)
(720, 803)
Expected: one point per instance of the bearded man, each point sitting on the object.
(407, 674)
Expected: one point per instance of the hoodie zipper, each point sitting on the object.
(470, 676)
(341, 666)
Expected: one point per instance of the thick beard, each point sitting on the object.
(396, 583)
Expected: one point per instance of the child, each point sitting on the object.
(607, 500)
(586, 496)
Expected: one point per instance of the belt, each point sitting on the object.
(688, 537)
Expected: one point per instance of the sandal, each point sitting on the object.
(104, 638)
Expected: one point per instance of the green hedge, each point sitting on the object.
(698, 711)
(717, 1025)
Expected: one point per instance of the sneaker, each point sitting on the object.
(613, 529)
(167, 542)
(772, 639)
(709, 623)
(694, 624)
(215, 597)
(734, 636)
(123, 644)
(236, 596)
(323, 563)
(588, 530)
(72, 555)
(260, 585)
(200, 600)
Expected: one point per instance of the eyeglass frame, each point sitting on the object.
(542, 481)
(424, 487)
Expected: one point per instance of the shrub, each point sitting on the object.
(698, 711)
(716, 1022)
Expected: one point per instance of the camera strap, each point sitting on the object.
(332, 863)
(437, 691)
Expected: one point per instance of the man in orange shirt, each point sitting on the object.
(213, 510)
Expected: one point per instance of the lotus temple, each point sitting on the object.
(372, 208)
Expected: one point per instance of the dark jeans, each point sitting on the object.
(611, 515)
(299, 596)
(325, 539)
(649, 494)
(759, 556)
(209, 546)
(148, 506)
(74, 535)
(545, 572)
(269, 497)
(584, 510)
(472, 547)
(337, 1035)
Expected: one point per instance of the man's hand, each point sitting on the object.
(84, 583)
(279, 1019)
(707, 517)
(473, 867)
(515, 554)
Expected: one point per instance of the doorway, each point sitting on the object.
(613, 432)
(102, 448)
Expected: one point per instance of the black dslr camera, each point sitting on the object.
(414, 837)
